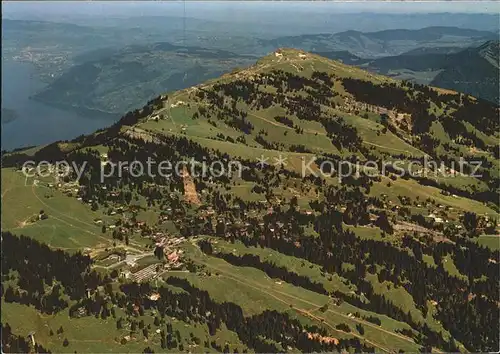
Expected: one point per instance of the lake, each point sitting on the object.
(37, 123)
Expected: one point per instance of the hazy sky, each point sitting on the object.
(271, 17)
(223, 8)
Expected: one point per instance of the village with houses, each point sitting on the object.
(157, 252)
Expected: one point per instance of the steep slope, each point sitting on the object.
(491, 52)
(474, 70)
(343, 255)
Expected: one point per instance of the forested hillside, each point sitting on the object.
(341, 210)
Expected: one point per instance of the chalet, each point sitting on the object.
(173, 257)
(81, 312)
(136, 308)
(113, 257)
(31, 335)
(126, 274)
(154, 296)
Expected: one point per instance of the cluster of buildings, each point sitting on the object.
(170, 249)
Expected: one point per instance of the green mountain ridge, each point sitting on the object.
(474, 70)
(273, 259)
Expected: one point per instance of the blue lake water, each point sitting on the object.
(38, 123)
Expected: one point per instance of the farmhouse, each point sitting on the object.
(154, 296)
(173, 257)
(126, 274)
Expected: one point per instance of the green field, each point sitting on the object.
(70, 223)
(255, 284)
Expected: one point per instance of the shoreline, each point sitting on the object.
(89, 113)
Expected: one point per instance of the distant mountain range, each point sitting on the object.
(385, 43)
(472, 70)
(115, 80)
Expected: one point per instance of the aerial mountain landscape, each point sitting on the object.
(296, 198)
(134, 74)
(116, 79)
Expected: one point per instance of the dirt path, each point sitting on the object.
(9, 188)
(309, 131)
(302, 311)
(69, 217)
(80, 221)
(109, 241)
(315, 132)
(259, 288)
(386, 147)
